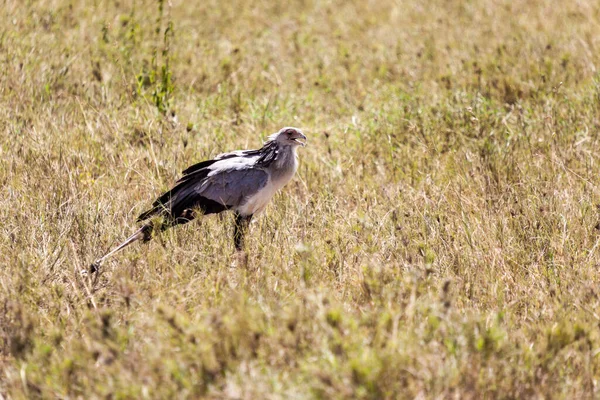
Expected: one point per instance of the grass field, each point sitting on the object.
(440, 239)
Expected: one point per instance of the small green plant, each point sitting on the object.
(158, 79)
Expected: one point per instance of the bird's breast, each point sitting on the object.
(280, 173)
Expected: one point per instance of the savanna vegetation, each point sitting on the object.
(440, 239)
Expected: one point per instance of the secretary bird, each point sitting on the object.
(243, 181)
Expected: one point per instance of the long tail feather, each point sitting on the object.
(143, 233)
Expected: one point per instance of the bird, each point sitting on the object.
(242, 181)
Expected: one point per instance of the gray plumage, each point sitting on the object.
(243, 181)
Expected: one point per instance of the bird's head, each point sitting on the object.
(289, 136)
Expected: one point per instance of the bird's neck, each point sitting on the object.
(286, 157)
(284, 166)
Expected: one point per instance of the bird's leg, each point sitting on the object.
(239, 231)
(144, 233)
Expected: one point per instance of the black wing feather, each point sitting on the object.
(197, 167)
(160, 203)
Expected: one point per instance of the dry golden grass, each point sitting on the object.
(439, 239)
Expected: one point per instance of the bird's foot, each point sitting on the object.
(91, 274)
(93, 269)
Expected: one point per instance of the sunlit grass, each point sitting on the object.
(440, 238)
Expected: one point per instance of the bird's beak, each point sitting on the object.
(300, 136)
